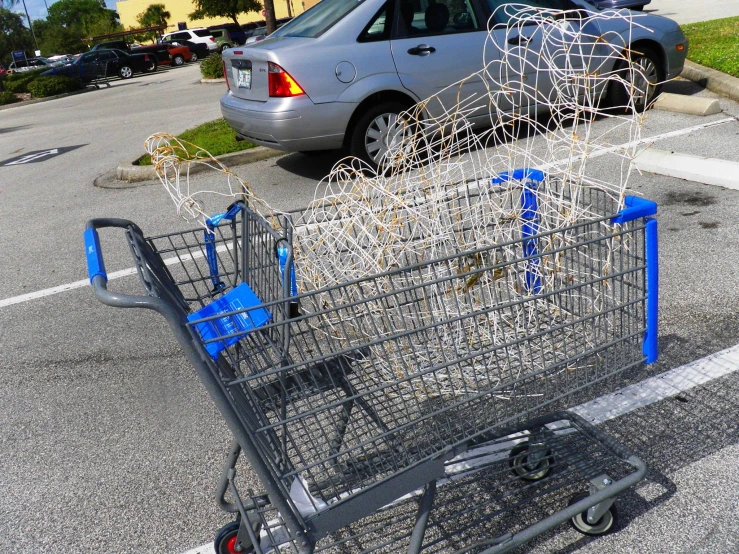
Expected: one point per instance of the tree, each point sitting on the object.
(14, 35)
(88, 16)
(225, 8)
(154, 15)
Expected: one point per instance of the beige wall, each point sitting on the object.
(128, 10)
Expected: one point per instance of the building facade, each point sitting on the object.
(128, 11)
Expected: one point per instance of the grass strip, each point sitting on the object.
(715, 44)
(215, 137)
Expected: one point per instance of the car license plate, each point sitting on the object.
(244, 78)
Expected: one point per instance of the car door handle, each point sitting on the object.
(518, 39)
(421, 50)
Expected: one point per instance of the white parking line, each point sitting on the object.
(611, 406)
(85, 282)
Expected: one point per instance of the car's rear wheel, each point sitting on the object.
(194, 57)
(225, 47)
(641, 80)
(377, 132)
(125, 72)
(150, 66)
(178, 60)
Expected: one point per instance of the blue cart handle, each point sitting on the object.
(98, 276)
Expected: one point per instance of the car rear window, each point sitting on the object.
(319, 19)
(202, 32)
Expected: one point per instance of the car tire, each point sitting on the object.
(150, 67)
(178, 60)
(368, 141)
(225, 47)
(650, 69)
(125, 72)
(194, 57)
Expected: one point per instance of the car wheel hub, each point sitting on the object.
(644, 80)
(383, 135)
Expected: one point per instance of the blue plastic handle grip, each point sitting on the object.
(95, 265)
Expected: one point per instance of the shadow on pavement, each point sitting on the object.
(311, 166)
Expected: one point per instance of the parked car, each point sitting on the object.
(197, 50)
(235, 31)
(257, 35)
(28, 65)
(157, 52)
(340, 72)
(200, 35)
(90, 65)
(618, 4)
(62, 59)
(178, 54)
(223, 39)
(3, 73)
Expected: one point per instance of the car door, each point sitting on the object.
(544, 46)
(109, 63)
(437, 44)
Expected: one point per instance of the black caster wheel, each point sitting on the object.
(518, 459)
(226, 541)
(601, 527)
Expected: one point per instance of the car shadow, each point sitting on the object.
(683, 87)
(310, 166)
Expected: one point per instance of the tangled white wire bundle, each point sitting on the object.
(433, 198)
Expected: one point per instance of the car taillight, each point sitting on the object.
(212, 39)
(146, 57)
(225, 75)
(281, 84)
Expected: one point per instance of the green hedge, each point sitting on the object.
(212, 67)
(18, 82)
(51, 85)
(8, 98)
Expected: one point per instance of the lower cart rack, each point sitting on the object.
(493, 498)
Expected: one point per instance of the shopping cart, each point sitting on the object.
(464, 446)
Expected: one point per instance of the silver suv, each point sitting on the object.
(339, 74)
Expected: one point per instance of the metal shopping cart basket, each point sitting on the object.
(378, 417)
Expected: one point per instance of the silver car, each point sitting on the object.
(338, 75)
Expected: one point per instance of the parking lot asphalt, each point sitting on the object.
(109, 443)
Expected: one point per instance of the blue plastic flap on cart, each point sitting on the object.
(522, 174)
(635, 208)
(95, 265)
(226, 216)
(239, 300)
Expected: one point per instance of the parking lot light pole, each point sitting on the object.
(30, 25)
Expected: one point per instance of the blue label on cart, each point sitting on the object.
(249, 315)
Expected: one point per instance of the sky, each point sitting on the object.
(37, 8)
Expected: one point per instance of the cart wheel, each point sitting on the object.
(601, 527)
(518, 459)
(225, 542)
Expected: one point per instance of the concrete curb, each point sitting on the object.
(37, 100)
(713, 80)
(135, 173)
(206, 81)
(693, 105)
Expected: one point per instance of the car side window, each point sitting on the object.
(379, 26)
(89, 57)
(436, 17)
(108, 55)
(503, 14)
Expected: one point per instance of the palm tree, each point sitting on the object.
(154, 15)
